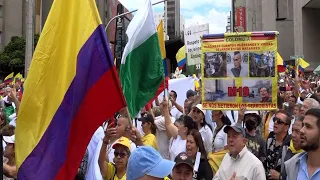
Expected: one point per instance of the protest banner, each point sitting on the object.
(238, 70)
(192, 38)
(180, 86)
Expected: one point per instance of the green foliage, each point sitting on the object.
(13, 55)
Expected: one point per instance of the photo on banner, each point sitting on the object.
(215, 65)
(217, 90)
(257, 90)
(262, 64)
(239, 70)
(238, 64)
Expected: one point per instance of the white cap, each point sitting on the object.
(9, 139)
(281, 81)
(252, 112)
(199, 106)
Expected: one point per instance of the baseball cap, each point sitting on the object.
(146, 118)
(236, 128)
(183, 158)
(145, 160)
(256, 113)
(191, 93)
(123, 141)
(199, 106)
(9, 139)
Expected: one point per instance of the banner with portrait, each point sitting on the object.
(239, 70)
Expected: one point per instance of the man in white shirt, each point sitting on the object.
(239, 163)
(176, 110)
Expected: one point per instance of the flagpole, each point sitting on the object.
(123, 14)
(165, 88)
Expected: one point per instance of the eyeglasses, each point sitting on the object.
(196, 111)
(120, 154)
(278, 121)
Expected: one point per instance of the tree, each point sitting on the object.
(13, 55)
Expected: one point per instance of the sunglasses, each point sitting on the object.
(278, 121)
(120, 154)
(196, 111)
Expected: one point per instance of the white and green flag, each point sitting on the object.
(141, 70)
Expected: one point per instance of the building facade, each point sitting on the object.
(172, 18)
(161, 16)
(12, 20)
(229, 27)
(297, 21)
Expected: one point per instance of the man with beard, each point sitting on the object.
(307, 165)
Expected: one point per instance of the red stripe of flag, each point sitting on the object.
(160, 90)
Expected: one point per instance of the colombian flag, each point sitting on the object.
(181, 57)
(302, 65)
(18, 78)
(9, 78)
(62, 105)
(280, 63)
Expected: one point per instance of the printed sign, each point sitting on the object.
(192, 36)
(239, 70)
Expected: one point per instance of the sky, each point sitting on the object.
(214, 12)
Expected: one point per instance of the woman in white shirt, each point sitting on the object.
(219, 136)
(177, 132)
(198, 116)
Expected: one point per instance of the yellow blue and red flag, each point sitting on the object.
(9, 78)
(62, 105)
(181, 57)
(17, 78)
(302, 65)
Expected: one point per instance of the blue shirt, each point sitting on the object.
(303, 170)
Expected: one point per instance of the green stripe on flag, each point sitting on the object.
(141, 74)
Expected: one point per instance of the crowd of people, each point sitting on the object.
(185, 142)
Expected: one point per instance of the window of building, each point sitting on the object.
(282, 10)
(0, 37)
(171, 9)
(170, 12)
(1, 11)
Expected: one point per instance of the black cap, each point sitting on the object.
(236, 128)
(191, 93)
(183, 158)
(147, 118)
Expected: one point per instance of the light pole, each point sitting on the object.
(29, 35)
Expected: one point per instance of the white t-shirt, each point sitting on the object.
(207, 137)
(220, 141)
(162, 137)
(110, 150)
(176, 146)
(175, 112)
